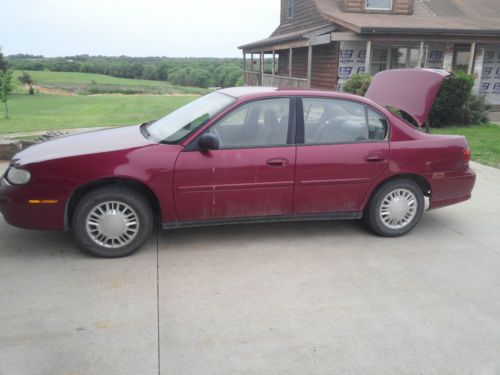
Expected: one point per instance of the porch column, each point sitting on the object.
(273, 70)
(472, 58)
(368, 60)
(290, 58)
(309, 65)
(421, 54)
(245, 68)
(262, 68)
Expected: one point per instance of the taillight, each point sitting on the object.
(467, 154)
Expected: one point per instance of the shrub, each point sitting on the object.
(475, 111)
(358, 84)
(450, 105)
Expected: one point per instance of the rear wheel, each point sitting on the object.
(112, 222)
(395, 208)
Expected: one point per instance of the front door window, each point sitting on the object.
(261, 123)
(461, 58)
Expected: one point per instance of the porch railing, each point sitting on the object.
(254, 79)
(280, 81)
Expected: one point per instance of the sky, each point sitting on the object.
(180, 28)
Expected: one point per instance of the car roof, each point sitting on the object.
(255, 92)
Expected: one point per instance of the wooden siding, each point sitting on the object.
(306, 15)
(398, 7)
(325, 66)
(299, 63)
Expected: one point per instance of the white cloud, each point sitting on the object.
(134, 28)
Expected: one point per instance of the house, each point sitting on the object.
(321, 43)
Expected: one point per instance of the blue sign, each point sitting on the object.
(346, 54)
(345, 71)
(489, 56)
(484, 87)
(487, 72)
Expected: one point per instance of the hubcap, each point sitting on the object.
(112, 224)
(398, 208)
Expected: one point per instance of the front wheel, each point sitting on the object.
(395, 208)
(112, 222)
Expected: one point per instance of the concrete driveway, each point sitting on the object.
(301, 298)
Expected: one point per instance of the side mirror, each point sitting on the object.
(208, 141)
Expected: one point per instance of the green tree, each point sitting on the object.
(25, 79)
(6, 87)
(3, 63)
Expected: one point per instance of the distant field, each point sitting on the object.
(52, 112)
(87, 83)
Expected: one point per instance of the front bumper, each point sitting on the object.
(17, 211)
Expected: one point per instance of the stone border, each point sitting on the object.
(8, 150)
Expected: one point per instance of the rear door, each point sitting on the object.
(251, 175)
(343, 147)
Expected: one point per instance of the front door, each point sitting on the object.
(250, 175)
(344, 149)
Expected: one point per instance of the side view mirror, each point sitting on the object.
(208, 141)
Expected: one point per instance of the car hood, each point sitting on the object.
(410, 90)
(83, 144)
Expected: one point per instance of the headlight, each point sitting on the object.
(18, 176)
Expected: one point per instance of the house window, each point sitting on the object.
(404, 57)
(379, 60)
(378, 4)
(291, 8)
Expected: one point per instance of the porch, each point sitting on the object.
(305, 59)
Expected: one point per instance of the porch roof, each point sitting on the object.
(298, 35)
(447, 17)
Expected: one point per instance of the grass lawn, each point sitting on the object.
(51, 112)
(83, 82)
(484, 141)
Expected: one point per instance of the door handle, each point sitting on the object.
(277, 162)
(374, 158)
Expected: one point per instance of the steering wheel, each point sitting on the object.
(215, 132)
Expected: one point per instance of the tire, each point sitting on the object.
(395, 208)
(112, 222)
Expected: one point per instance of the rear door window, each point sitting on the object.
(331, 121)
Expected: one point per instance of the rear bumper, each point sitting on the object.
(449, 188)
(17, 211)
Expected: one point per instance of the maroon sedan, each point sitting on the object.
(245, 155)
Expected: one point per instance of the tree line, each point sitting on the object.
(197, 72)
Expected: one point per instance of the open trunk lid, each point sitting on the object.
(410, 90)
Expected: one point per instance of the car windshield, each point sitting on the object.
(188, 118)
